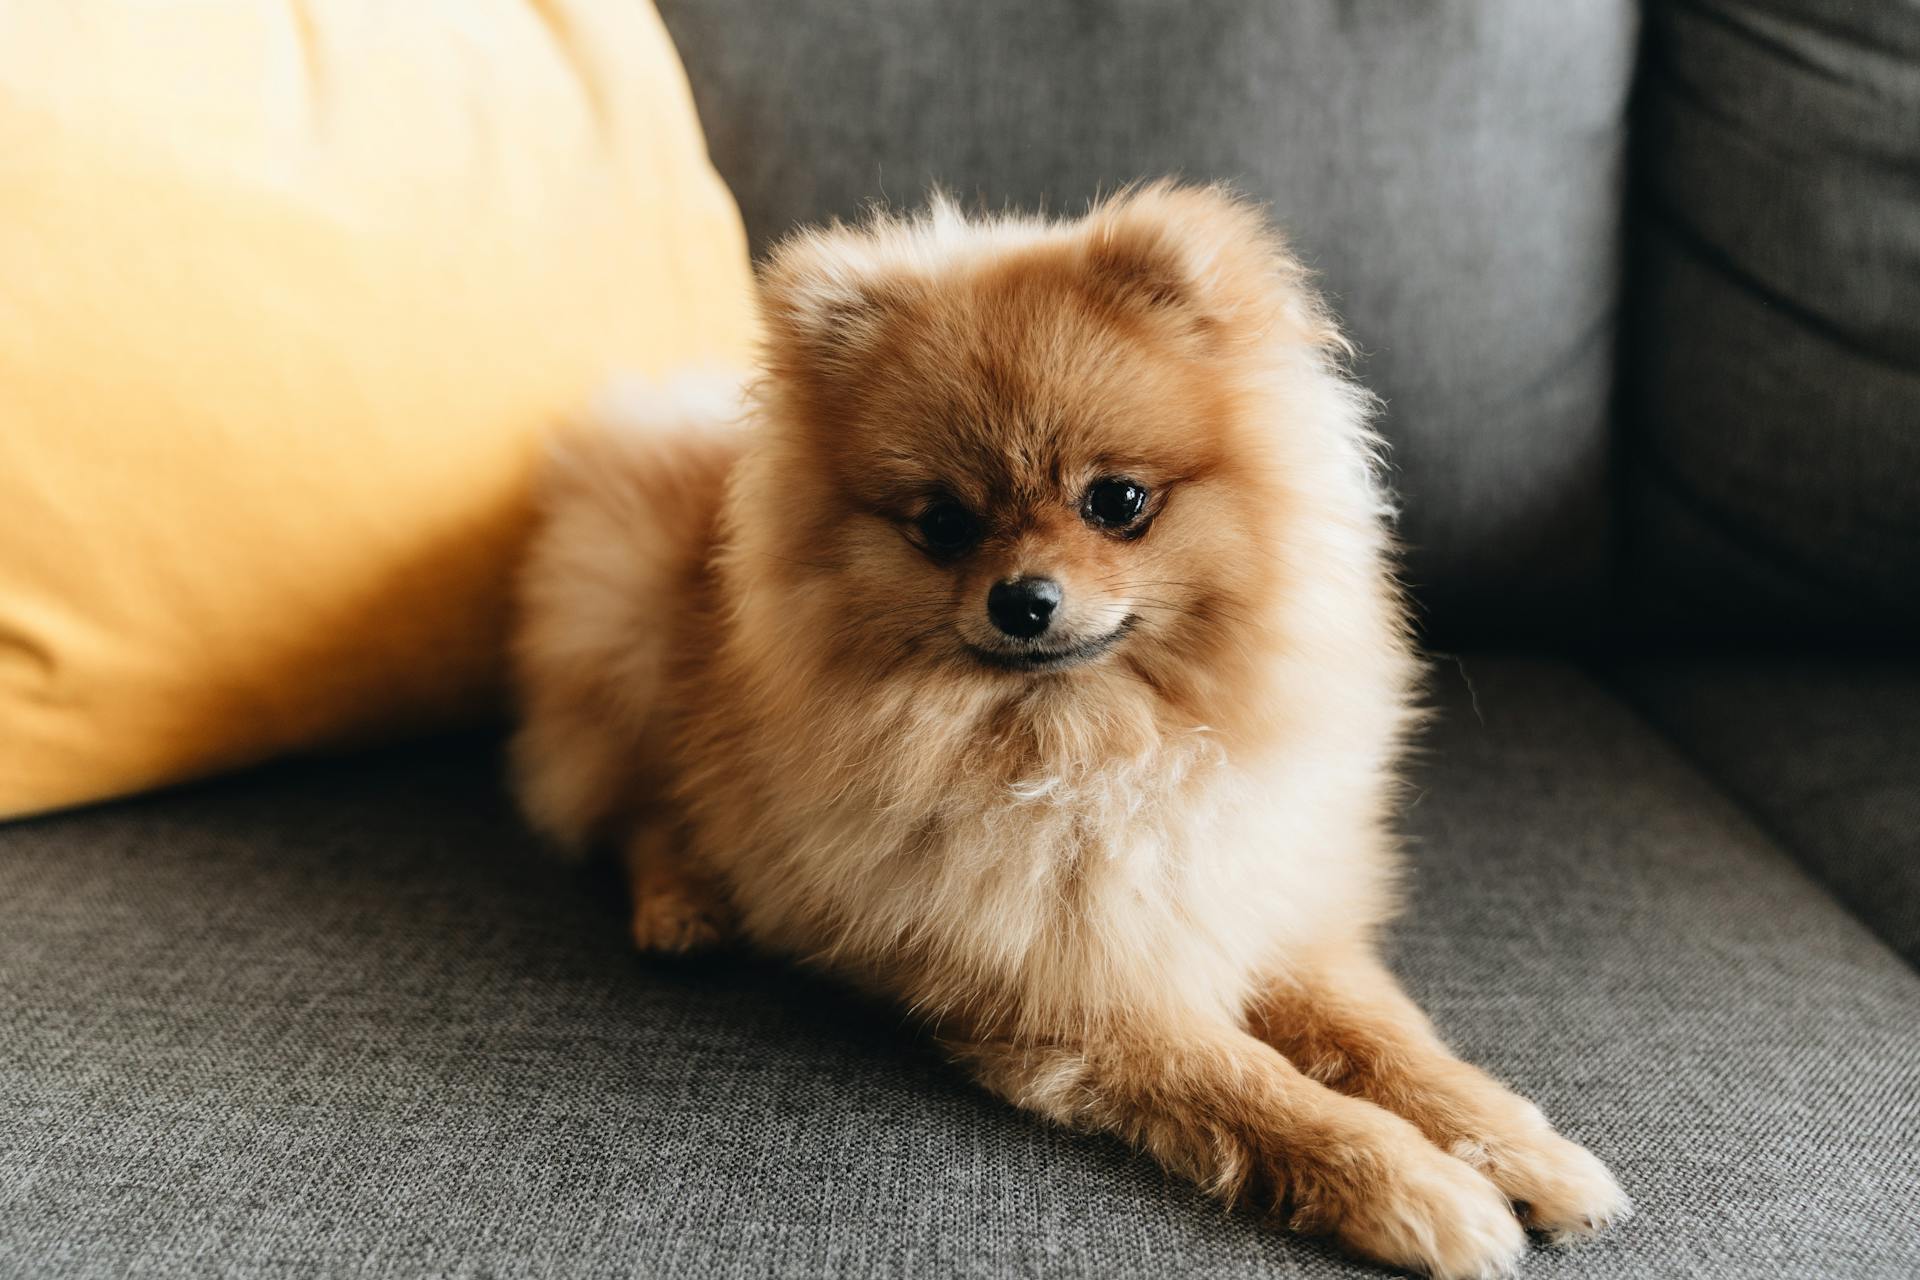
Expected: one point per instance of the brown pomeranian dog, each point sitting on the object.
(1024, 648)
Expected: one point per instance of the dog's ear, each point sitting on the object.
(1206, 259)
(1137, 257)
(824, 296)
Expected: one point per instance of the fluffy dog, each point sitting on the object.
(1026, 650)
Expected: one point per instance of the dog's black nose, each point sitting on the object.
(1023, 607)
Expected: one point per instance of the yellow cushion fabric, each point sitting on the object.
(289, 295)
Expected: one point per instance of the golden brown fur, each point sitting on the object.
(1135, 891)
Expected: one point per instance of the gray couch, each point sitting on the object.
(1641, 288)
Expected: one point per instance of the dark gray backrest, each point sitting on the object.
(1773, 390)
(1452, 168)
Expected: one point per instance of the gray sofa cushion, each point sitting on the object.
(1453, 169)
(336, 1019)
(1774, 396)
(1824, 751)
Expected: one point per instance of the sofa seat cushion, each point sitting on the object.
(1826, 753)
(338, 1018)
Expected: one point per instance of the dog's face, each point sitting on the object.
(1025, 456)
(1037, 482)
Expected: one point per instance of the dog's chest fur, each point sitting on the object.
(1173, 876)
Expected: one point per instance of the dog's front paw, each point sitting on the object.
(1561, 1188)
(1413, 1206)
(674, 921)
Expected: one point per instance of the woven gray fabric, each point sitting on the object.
(1774, 341)
(1825, 752)
(1452, 168)
(336, 1019)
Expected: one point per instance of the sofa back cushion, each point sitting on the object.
(1773, 390)
(1452, 169)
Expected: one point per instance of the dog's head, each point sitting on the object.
(1041, 462)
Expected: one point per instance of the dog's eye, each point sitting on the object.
(947, 527)
(1115, 502)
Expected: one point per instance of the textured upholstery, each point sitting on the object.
(1824, 751)
(1774, 396)
(337, 1019)
(1452, 169)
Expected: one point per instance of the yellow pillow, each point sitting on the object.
(289, 294)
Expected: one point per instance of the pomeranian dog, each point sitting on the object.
(1024, 648)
